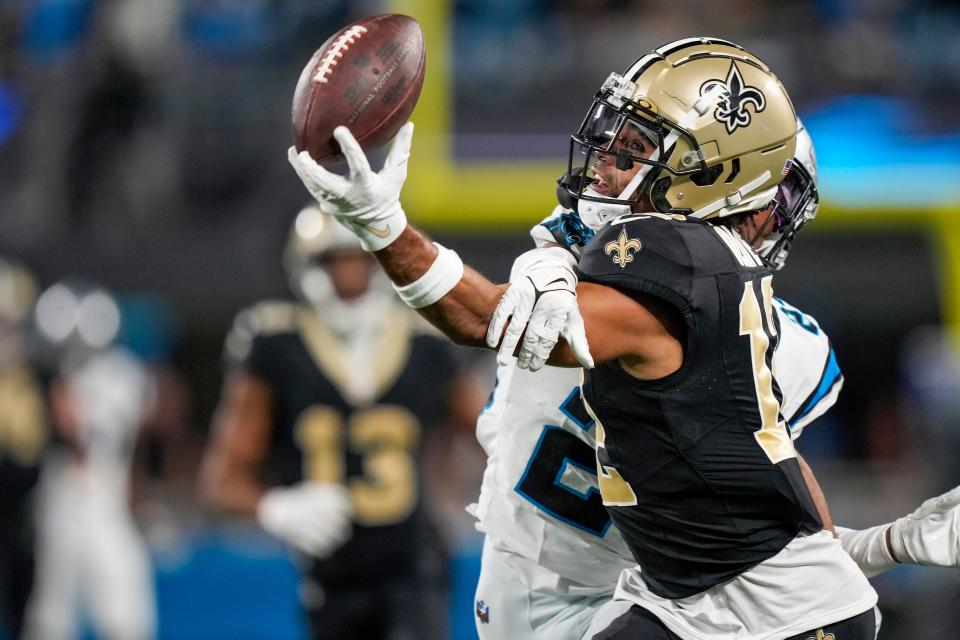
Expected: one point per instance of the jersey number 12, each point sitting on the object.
(772, 436)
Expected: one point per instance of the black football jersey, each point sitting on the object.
(697, 469)
(372, 446)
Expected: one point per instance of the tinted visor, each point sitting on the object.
(795, 205)
(795, 195)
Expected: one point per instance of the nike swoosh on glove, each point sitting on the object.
(313, 517)
(541, 305)
(364, 201)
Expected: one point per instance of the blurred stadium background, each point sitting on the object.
(142, 144)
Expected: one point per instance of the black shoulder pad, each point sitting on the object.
(642, 252)
(663, 254)
(261, 320)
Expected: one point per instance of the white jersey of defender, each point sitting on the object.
(540, 454)
(805, 367)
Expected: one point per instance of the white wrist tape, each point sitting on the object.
(442, 276)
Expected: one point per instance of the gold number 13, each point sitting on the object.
(386, 437)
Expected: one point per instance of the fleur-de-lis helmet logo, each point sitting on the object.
(734, 97)
(620, 250)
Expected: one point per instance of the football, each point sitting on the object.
(367, 77)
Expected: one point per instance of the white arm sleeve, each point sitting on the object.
(928, 536)
(868, 548)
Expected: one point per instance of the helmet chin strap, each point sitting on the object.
(732, 199)
(768, 243)
(596, 214)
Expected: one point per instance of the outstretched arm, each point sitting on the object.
(458, 300)
(539, 307)
(464, 313)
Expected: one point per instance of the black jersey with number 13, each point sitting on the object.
(373, 447)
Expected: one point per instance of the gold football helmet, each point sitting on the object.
(710, 125)
(316, 237)
(313, 235)
(18, 292)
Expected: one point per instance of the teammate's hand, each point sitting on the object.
(312, 517)
(366, 202)
(931, 534)
(542, 301)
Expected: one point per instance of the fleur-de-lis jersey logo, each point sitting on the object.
(822, 636)
(734, 97)
(620, 250)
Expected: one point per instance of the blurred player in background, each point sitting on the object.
(92, 562)
(319, 431)
(23, 435)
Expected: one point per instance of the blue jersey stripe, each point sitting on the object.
(830, 377)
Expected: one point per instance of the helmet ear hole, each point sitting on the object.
(564, 198)
(708, 176)
(567, 183)
(658, 195)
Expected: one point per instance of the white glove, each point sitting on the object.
(365, 202)
(542, 300)
(928, 536)
(311, 516)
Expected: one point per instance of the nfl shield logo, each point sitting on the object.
(483, 611)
